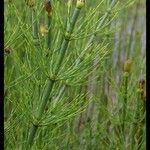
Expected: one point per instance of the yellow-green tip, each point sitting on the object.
(80, 4)
(127, 66)
(43, 30)
(30, 3)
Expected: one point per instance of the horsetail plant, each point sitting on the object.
(127, 70)
(50, 82)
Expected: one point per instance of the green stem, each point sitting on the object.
(50, 82)
(34, 24)
(49, 36)
(67, 39)
(33, 131)
(125, 102)
(45, 97)
(35, 32)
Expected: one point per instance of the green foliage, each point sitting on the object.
(65, 87)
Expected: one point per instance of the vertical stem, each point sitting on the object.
(48, 41)
(50, 82)
(66, 40)
(35, 32)
(34, 24)
(48, 9)
(33, 131)
(125, 101)
(45, 98)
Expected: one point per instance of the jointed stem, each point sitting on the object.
(49, 32)
(50, 82)
(125, 101)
